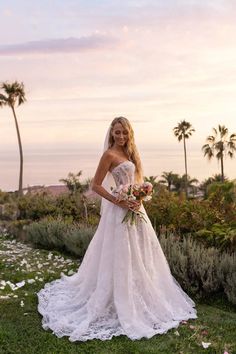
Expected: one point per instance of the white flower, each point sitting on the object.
(205, 345)
(12, 286)
(50, 255)
(31, 281)
(24, 261)
(22, 303)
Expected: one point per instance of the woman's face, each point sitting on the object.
(120, 134)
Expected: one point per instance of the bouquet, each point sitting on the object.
(142, 192)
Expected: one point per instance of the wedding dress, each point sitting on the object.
(123, 286)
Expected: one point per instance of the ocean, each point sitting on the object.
(46, 166)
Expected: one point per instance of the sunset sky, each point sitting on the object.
(85, 62)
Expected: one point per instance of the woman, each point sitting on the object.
(124, 285)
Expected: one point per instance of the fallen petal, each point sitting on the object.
(205, 345)
(20, 284)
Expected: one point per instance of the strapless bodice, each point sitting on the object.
(124, 173)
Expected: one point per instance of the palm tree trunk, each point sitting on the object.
(222, 167)
(20, 191)
(186, 169)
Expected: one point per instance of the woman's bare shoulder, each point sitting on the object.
(108, 155)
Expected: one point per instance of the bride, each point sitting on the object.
(124, 285)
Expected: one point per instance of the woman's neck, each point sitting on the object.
(118, 148)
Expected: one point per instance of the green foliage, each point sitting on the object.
(169, 212)
(4, 197)
(60, 234)
(218, 235)
(73, 183)
(200, 270)
(35, 207)
(8, 211)
(76, 207)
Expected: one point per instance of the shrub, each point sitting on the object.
(36, 206)
(168, 211)
(60, 234)
(201, 271)
(218, 235)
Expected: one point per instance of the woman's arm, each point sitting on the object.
(102, 169)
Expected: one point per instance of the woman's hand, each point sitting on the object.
(129, 204)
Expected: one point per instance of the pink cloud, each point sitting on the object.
(67, 45)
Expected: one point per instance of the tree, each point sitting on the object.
(77, 189)
(169, 179)
(208, 181)
(14, 94)
(179, 183)
(73, 183)
(183, 131)
(220, 145)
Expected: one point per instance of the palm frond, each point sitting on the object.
(15, 92)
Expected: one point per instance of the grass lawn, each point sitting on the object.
(24, 270)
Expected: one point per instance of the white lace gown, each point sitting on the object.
(123, 286)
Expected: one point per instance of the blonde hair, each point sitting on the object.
(130, 147)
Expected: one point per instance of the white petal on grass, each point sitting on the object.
(205, 345)
(24, 261)
(12, 286)
(50, 255)
(20, 284)
(31, 281)
(22, 303)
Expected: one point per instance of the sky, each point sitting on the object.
(85, 62)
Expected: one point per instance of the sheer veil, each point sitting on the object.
(108, 182)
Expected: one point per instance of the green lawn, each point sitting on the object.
(20, 323)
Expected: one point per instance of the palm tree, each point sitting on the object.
(14, 93)
(210, 180)
(169, 179)
(183, 131)
(179, 183)
(220, 145)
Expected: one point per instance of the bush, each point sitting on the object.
(168, 211)
(39, 206)
(35, 207)
(218, 235)
(61, 235)
(201, 271)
